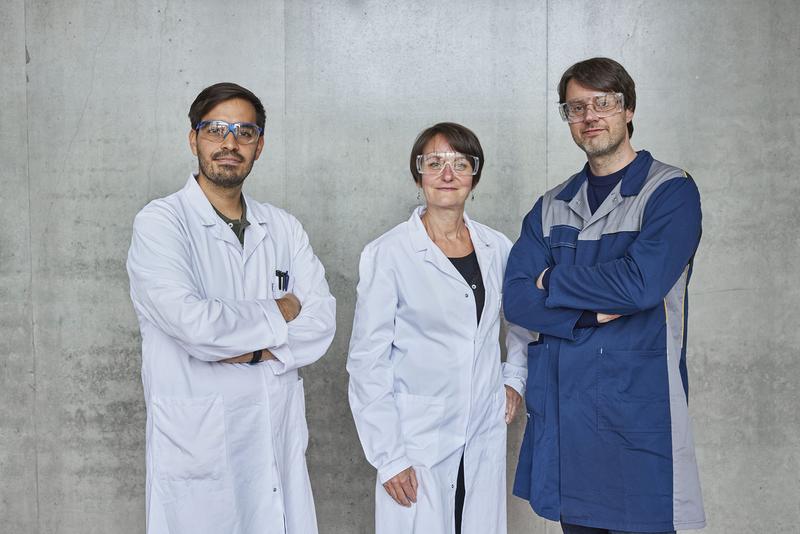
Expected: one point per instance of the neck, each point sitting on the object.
(444, 224)
(610, 163)
(227, 200)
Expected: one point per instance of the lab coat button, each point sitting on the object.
(466, 295)
(274, 490)
(452, 486)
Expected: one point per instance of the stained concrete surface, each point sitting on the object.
(97, 93)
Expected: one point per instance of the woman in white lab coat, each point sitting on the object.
(429, 394)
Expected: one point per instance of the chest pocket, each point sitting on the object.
(563, 243)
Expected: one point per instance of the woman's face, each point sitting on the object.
(450, 187)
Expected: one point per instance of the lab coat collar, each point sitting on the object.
(631, 183)
(254, 234)
(422, 241)
(484, 247)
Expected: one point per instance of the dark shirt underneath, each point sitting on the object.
(237, 226)
(471, 271)
(600, 187)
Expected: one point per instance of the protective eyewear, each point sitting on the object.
(245, 133)
(460, 164)
(603, 105)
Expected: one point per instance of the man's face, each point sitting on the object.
(597, 136)
(226, 163)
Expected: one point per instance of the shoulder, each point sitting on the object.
(664, 179)
(388, 241)
(162, 211)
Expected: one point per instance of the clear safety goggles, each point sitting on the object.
(603, 106)
(434, 163)
(245, 133)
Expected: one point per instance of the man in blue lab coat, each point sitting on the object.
(601, 271)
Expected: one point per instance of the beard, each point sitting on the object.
(603, 146)
(224, 176)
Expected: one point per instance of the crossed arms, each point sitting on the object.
(669, 235)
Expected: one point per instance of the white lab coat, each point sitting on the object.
(226, 443)
(427, 383)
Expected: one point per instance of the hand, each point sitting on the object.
(603, 318)
(289, 305)
(246, 358)
(539, 283)
(403, 487)
(513, 402)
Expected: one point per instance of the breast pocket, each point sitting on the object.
(563, 243)
(633, 391)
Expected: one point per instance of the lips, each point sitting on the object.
(227, 158)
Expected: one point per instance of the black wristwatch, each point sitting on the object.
(256, 357)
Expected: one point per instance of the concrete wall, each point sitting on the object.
(93, 99)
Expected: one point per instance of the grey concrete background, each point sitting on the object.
(93, 102)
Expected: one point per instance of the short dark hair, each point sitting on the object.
(220, 92)
(460, 138)
(602, 74)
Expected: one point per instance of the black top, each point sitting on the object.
(237, 226)
(601, 186)
(471, 271)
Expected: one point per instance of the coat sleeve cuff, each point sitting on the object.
(278, 326)
(393, 468)
(283, 361)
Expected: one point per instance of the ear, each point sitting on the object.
(193, 141)
(628, 115)
(259, 147)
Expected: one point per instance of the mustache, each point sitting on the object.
(226, 154)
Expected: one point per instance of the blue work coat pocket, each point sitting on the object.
(420, 419)
(563, 243)
(538, 378)
(633, 391)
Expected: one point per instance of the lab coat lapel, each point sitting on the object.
(611, 202)
(580, 204)
(256, 232)
(208, 217)
(431, 253)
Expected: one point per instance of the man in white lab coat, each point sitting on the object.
(231, 301)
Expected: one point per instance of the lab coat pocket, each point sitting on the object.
(420, 418)
(633, 391)
(189, 438)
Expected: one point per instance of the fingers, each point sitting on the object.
(410, 486)
(513, 402)
(403, 487)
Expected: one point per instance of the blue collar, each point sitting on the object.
(632, 182)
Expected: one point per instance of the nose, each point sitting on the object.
(229, 141)
(447, 172)
(590, 115)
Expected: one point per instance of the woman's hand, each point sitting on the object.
(403, 487)
(513, 402)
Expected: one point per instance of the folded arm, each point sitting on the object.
(523, 302)
(640, 280)
(164, 290)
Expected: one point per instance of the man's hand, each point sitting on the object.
(539, 283)
(603, 318)
(289, 305)
(403, 487)
(513, 402)
(245, 358)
